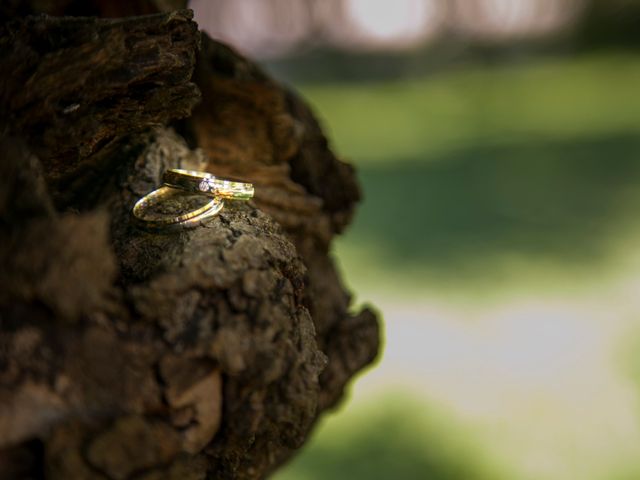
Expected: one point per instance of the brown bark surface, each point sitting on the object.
(127, 354)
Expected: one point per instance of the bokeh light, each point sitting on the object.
(380, 24)
(495, 19)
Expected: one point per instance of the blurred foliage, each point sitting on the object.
(394, 439)
(474, 106)
(466, 171)
(560, 202)
(610, 23)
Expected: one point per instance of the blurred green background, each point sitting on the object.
(465, 170)
(499, 232)
(511, 187)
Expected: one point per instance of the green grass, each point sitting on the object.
(476, 212)
(486, 174)
(474, 106)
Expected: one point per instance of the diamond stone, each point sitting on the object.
(204, 186)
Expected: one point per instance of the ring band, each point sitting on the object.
(184, 221)
(187, 224)
(203, 182)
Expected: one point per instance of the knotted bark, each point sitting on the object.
(125, 354)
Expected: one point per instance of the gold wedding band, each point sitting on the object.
(208, 184)
(187, 220)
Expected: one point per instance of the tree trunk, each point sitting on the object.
(126, 354)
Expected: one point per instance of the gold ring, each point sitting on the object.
(187, 220)
(208, 184)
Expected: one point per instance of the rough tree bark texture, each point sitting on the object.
(126, 354)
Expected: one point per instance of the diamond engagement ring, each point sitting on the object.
(208, 184)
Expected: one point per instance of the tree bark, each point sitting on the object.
(126, 354)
